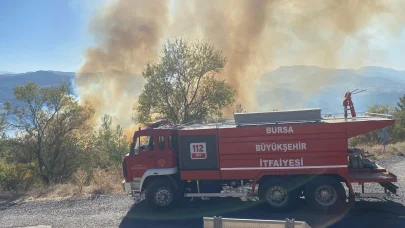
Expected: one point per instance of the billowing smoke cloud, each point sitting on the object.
(128, 35)
(256, 36)
(336, 34)
(238, 31)
(260, 35)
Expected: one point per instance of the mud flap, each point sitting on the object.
(390, 187)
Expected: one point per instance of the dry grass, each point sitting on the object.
(58, 191)
(83, 184)
(6, 197)
(378, 151)
(108, 181)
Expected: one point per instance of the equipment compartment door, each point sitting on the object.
(198, 152)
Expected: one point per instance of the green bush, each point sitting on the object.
(396, 132)
(16, 176)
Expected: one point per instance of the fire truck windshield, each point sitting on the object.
(144, 143)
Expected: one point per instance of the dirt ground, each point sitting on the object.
(122, 211)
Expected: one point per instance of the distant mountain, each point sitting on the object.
(288, 87)
(5, 72)
(42, 78)
(373, 71)
(292, 87)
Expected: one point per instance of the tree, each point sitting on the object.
(239, 108)
(182, 86)
(2, 123)
(401, 104)
(373, 137)
(110, 144)
(400, 111)
(2, 134)
(49, 123)
(396, 131)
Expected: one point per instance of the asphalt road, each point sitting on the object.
(364, 214)
(121, 211)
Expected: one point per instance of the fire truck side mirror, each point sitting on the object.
(132, 149)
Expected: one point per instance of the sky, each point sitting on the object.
(53, 35)
(44, 34)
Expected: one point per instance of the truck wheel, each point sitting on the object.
(277, 194)
(160, 194)
(325, 194)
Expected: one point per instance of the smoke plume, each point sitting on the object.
(128, 35)
(256, 36)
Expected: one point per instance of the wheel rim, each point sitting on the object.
(326, 195)
(277, 196)
(163, 196)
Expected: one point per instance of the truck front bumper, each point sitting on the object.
(132, 187)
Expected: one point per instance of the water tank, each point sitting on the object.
(278, 116)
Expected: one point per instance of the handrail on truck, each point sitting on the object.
(224, 122)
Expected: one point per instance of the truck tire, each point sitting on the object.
(161, 194)
(325, 194)
(277, 194)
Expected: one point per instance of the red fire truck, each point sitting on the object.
(278, 156)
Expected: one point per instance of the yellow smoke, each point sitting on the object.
(256, 36)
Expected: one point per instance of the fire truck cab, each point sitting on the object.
(152, 154)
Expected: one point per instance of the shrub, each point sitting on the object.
(106, 181)
(16, 176)
(80, 179)
(378, 151)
